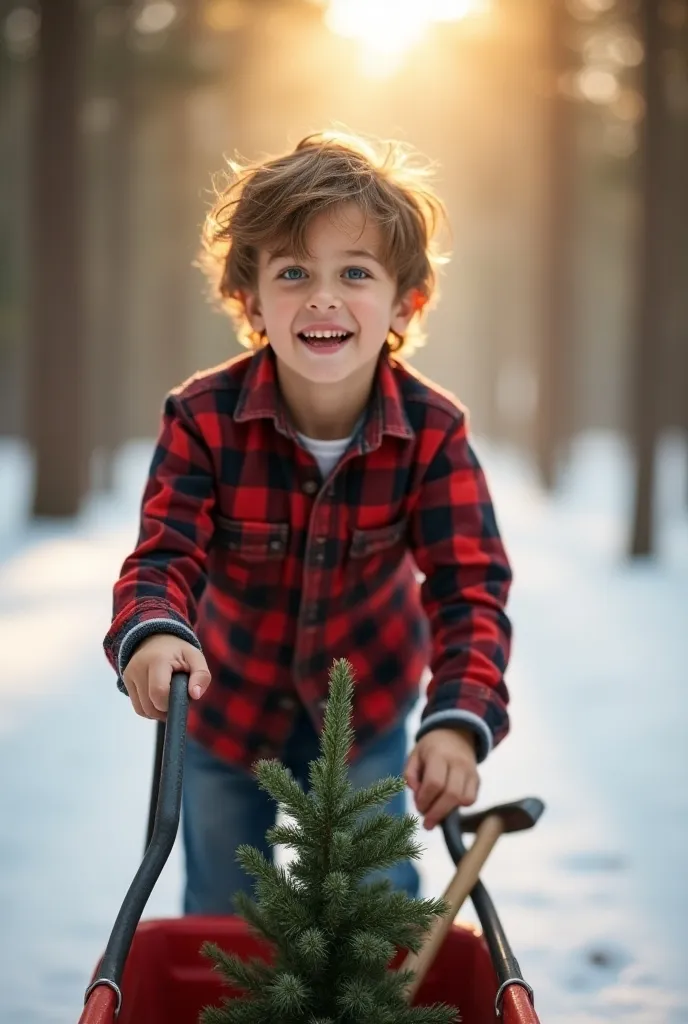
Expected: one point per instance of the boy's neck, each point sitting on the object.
(325, 412)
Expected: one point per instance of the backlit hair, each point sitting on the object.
(270, 204)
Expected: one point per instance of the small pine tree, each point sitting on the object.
(333, 933)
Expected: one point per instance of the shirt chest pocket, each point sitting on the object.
(250, 553)
(378, 539)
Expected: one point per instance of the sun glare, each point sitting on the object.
(386, 32)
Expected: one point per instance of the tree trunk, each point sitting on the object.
(177, 275)
(647, 360)
(678, 103)
(114, 312)
(553, 421)
(57, 401)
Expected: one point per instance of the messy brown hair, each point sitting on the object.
(270, 204)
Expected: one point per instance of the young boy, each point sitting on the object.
(291, 491)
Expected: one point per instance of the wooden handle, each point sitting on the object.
(466, 875)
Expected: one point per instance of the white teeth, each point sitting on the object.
(324, 334)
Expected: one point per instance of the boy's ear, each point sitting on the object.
(253, 313)
(405, 309)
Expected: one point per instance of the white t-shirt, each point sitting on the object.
(326, 453)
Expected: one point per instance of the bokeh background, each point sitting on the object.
(559, 133)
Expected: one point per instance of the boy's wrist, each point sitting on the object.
(467, 722)
(469, 735)
(140, 631)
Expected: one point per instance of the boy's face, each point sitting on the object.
(328, 316)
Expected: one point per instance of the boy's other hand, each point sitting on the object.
(442, 773)
(148, 675)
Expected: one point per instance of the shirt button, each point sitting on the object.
(286, 703)
(276, 545)
(318, 556)
(309, 486)
(312, 614)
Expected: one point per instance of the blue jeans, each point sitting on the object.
(222, 807)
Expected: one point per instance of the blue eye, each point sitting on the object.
(292, 274)
(356, 273)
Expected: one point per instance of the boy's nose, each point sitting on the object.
(323, 300)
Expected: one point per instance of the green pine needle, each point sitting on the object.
(376, 795)
(290, 836)
(249, 975)
(288, 996)
(334, 931)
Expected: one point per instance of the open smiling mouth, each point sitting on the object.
(324, 341)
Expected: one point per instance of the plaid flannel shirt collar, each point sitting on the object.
(260, 399)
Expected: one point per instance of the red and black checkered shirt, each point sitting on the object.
(273, 572)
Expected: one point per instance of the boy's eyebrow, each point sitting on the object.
(365, 253)
(281, 254)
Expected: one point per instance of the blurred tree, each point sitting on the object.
(178, 186)
(57, 395)
(117, 84)
(553, 419)
(675, 63)
(652, 276)
(18, 45)
(144, 74)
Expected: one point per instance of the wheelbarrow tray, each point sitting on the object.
(153, 971)
(167, 980)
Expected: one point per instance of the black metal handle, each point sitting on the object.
(163, 824)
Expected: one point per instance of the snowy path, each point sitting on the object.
(594, 899)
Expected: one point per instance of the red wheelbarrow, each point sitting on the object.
(153, 972)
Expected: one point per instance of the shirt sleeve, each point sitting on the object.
(162, 580)
(458, 549)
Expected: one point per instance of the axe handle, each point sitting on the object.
(466, 875)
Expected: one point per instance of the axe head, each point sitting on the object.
(516, 816)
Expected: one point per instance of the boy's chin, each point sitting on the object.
(327, 366)
(331, 374)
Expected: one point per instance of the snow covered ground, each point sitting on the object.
(594, 899)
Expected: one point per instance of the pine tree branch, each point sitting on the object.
(437, 1014)
(277, 781)
(337, 894)
(257, 919)
(329, 788)
(264, 871)
(288, 997)
(313, 948)
(236, 1011)
(249, 976)
(376, 795)
(356, 1000)
(390, 842)
(290, 836)
(370, 949)
(397, 917)
(337, 735)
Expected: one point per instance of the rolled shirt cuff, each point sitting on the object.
(140, 631)
(460, 719)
